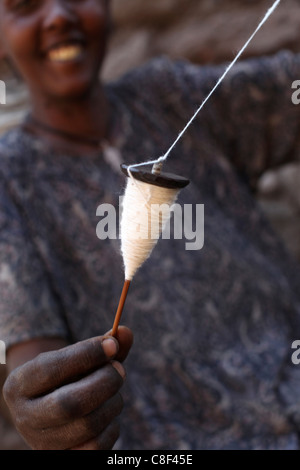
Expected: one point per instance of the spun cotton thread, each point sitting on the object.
(159, 161)
(146, 210)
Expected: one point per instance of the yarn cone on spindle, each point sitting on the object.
(147, 204)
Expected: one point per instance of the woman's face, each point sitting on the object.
(57, 45)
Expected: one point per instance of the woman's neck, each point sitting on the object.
(88, 116)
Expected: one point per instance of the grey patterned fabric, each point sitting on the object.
(211, 364)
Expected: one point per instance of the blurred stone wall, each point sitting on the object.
(212, 31)
(203, 31)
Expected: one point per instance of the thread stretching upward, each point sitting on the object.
(164, 157)
(147, 204)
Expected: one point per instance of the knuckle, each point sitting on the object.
(21, 422)
(104, 440)
(119, 404)
(93, 424)
(112, 408)
(103, 417)
(115, 378)
(112, 435)
(107, 439)
(10, 388)
(69, 405)
(17, 404)
(116, 431)
(43, 370)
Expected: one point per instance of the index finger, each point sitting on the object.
(53, 369)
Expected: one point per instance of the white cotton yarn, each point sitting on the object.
(146, 210)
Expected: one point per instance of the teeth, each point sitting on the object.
(65, 53)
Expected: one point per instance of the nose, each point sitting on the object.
(59, 14)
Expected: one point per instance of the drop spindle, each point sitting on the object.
(142, 222)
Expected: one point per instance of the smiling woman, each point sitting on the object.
(214, 327)
(58, 47)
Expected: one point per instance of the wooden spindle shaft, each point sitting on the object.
(120, 307)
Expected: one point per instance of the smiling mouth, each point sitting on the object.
(65, 53)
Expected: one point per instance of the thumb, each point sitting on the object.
(124, 337)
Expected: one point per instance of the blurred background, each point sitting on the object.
(204, 32)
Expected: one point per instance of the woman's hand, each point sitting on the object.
(69, 399)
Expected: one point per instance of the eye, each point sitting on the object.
(76, 1)
(22, 5)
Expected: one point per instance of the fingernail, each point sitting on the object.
(110, 347)
(119, 368)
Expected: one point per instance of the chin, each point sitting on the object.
(70, 80)
(73, 91)
(70, 86)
